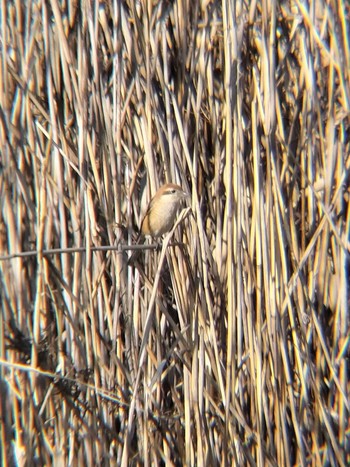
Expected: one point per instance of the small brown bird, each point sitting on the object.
(162, 209)
(161, 213)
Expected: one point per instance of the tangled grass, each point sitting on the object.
(229, 346)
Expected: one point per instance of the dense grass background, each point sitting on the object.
(231, 347)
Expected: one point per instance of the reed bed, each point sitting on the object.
(228, 344)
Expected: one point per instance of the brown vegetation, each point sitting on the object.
(230, 345)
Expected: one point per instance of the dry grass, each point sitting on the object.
(232, 347)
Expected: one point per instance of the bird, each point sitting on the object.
(161, 213)
(162, 209)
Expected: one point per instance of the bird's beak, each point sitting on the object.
(185, 196)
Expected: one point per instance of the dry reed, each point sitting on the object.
(230, 346)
